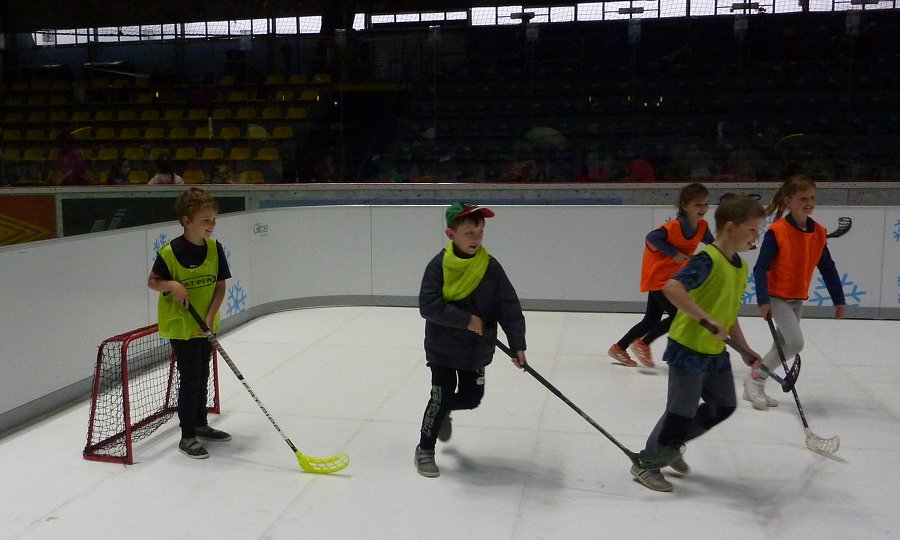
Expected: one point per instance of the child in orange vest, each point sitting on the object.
(666, 250)
(792, 248)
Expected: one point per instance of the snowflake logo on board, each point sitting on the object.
(237, 299)
(852, 292)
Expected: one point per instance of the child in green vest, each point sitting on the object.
(464, 295)
(709, 289)
(191, 270)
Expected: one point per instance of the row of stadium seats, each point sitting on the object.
(126, 135)
(274, 79)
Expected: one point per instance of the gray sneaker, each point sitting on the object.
(680, 466)
(425, 464)
(212, 434)
(192, 449)
(446, 430)
(651, 478)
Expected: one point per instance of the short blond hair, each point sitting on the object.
(191, 201)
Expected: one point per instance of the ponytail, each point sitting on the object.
(793, 185)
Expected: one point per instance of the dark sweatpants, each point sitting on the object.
(445, 398)
(685, 417)
(650, 326)
(192, 359)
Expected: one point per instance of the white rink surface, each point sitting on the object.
(521, 466)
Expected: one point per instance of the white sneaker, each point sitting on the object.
(754, 393)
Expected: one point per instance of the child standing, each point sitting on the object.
(464, 294)
(708, 289)
(666, 250)
(792, 247)
(191, 270)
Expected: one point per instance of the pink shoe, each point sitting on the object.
(640, 349)
(621, 355)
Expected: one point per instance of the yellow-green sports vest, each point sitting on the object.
(175, 321)
(720, 296)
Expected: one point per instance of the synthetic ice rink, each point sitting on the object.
(521, 466)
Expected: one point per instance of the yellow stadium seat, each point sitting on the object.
(221, 114)
(321, 78)
(81, 116)
(267, 153)
(173, 114)
(283, 132)
(129, 133)
(138, 177)
(34, 154)
(36, 117)
(212, 154)
(149, 115)
(154, 133)
(295, 113)
(185, 153)
(126, 115)
(230, 132)
(193, 176)
(236, 96)
(35, 134)
(257, 132)
(178, 133)
(104, 116)
(251, 177)
(203, 132)
(271, 113)
(284, 95)
(197, 114)
(107, 154)
(239, 153)
(309, 95)
(12, 135)
(104, 134)
(246, 113)
(133, 154)
(59, 116)
(298, 78)
(275, 78)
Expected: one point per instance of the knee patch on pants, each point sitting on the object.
(674, 430)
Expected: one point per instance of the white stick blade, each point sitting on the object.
(822, 446)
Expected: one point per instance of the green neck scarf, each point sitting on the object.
(461, 276)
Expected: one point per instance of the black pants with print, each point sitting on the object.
(192, 359)
(651, 326)
(451, 390)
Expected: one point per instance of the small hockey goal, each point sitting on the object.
(135, 392)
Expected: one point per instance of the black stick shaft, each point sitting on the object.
(237, 373)
(771, 324)
(565, 400)
(734, 345)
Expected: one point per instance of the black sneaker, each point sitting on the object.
(192, 449)
(211, 434)
(446, 430)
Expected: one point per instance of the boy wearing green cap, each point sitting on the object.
(464, 295)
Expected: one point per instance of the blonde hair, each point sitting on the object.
(792, 186)
(192, 201)
(738, 209)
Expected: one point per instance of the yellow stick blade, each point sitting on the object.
(323, 465)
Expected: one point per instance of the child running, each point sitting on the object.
(792, 248)
(666, 250)
(464, 294)
(708, 289)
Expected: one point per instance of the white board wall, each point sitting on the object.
(62, 297)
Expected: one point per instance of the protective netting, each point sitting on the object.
(135, 392)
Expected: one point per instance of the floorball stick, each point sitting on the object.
(647, 460)
(307, 463)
